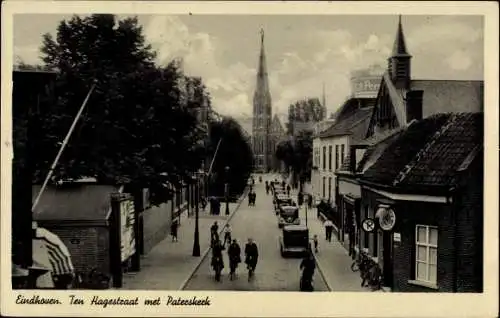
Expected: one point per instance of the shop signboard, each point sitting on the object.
(127, 217)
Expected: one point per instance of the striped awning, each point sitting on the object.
(52, 253)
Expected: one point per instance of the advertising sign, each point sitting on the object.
(365, 86)
(127, 218)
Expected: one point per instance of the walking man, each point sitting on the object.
(288, 190)
(173, 230)
(328, 229)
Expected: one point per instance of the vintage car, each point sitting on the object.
(288, 214)
(282, 201)
(294, 239)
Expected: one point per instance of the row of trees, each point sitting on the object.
(306, 110)
(141, 124)
(297, 156)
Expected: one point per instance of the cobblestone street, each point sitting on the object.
(273, 273)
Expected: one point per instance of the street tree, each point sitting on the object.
(139, 127)
(234, 152)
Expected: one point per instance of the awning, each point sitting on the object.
(52, 252)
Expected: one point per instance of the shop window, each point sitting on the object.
(426, 241)
(329, 188)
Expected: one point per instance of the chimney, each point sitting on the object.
(414, 104)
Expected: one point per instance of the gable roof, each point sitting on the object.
(74, 202)
(348, 125)
(428, 153)
(447, 96)
(440, 96)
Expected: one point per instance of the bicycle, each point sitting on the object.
(360, 261)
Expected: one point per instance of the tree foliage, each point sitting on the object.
(234, 152)
(140, 126)
(297, 154)
(305, 111)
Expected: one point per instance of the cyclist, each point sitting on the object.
(251, 255)
(234, 253)
(308, 265)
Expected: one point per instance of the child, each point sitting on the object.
(315, 240)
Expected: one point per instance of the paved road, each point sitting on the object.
(273, 272)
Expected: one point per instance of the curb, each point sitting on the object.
(205, 253)
(322, 273)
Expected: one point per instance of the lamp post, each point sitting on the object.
(196, 243)
(227, 190)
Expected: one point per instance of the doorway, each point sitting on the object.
(388, 258)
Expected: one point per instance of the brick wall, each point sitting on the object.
(157, 220)
(88, 246)
(469, 204)
(434, 214)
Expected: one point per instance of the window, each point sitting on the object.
(324, 186)
(330, 158)
(375, 243)
(336, 157)
(426, 253)
(324, 157)
(329, 188)
(342, 154)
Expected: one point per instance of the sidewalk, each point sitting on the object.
(169, 264)
(332, 259)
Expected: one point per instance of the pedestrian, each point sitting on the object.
(267, 187)
(328, 229)
(227, 234)
(316, 243)
(214, 232)
(173, 230)
(283, 184)
(288, 188)
(310, 201)
(254, 196)
(250, 196)
(300, 198)
(203, 203)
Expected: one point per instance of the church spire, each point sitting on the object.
(262, 112)
(399, 47)
(399, 66)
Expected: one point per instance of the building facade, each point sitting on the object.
(418, 176)
(334, 136)
(262, 116)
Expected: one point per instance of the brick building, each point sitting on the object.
(431, 177)
(80, 213)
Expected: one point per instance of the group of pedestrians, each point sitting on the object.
(234, 252)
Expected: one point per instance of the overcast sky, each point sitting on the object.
(303, 51)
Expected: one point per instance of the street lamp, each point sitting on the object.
(227, 190)
(196, 243)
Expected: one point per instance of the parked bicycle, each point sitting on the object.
(370, 271)
(94, 279)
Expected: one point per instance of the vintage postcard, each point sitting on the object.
(299, 159)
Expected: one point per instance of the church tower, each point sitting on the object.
(399, 62)
(262, 112)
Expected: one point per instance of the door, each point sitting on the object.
(388, 259)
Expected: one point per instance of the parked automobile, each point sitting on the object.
(282, 201)
(288, 214)
(294, 240)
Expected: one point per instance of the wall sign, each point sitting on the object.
(397, 237)
(368, 225)
(387, 218)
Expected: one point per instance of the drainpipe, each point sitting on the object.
(451, 201)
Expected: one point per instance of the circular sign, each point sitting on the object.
(368, 225)
(387, 218)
